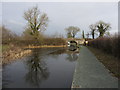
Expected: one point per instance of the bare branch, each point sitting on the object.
(72, 30)
(37, 22)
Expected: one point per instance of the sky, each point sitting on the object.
(119, 18)
(62, 15)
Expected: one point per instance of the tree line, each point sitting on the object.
(100, 28)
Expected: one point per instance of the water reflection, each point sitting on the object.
(44, 68)
(37, 70)
(5, 80)
(72, 56)
(72, 47)
(72, 53)
(58, 52)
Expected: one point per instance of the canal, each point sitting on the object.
(44, 68)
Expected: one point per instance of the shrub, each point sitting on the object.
(109, 45)
(54, 41)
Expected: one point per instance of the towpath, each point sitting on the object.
(90, 73)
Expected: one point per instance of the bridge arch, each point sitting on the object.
(77, 41)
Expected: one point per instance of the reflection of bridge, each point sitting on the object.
(78, 41)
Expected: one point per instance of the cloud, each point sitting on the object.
(15, 22)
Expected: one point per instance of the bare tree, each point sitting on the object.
(83, 35)
(102, 27)
(72, 31)
(93, 29)
(8, 35)
(88, 34)
(36, 21)
(69, 35)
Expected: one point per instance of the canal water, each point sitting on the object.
(44, 68)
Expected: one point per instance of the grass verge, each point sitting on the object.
(4, 47)
(109, 61)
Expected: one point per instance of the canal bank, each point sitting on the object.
(18, 52)
(90, 73)
(10, 56)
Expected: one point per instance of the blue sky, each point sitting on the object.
(62, 15)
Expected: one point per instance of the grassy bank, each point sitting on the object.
(108, 60)
(12, 52)
(109, 45)
(45, 46)
(0, 48)
(4, 47)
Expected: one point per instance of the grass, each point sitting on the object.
(4, 47)
(45, 46)
(109, 61)
(0, 48)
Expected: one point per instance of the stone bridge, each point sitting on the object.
(78, 41)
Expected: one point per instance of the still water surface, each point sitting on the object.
(44, 68)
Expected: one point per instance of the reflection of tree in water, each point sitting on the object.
(58, 52)
(37, 70)
(72, 53)
(72, 56)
